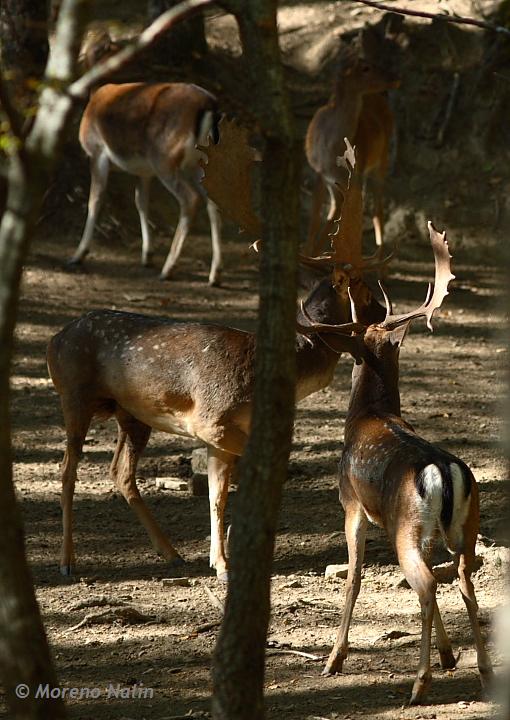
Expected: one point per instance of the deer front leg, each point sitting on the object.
(220, 465)
(355, 530)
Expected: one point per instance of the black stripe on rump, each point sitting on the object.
(447, 509)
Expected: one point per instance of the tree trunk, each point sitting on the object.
(238, 670)
(183, 44)
(25, 661)
(24, 46)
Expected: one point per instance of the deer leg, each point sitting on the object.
(466, 564)
(322, 239)
(142, 205)
(77, 421)
(188, 200)
(378, 217)
(355, 531)
(99, 170)
(220, 465)
(420, 578)
(318, 197)
(133, 437)
(215, 222)
(443, 643)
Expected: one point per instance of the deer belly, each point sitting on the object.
(132, 164)
(175, 423)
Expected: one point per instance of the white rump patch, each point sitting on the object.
(430, 505)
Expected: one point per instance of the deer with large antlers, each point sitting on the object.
(358, 110)
(399, 481)
(151, 130)
(190, 379)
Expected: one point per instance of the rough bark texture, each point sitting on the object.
(24, 653)
(183, 44)
(238, 672)
(24, 45)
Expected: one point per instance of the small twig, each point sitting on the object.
(308, 656)
(452, 97)
(81, 87)
(457, 19)
(205, 627)
(216, 601)
(127, 614)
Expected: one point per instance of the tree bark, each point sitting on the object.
(183, 44)
(238, 670)
(24, 46)
(25, 660)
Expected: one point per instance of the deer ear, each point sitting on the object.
(397, 336)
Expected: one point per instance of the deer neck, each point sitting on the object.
(346, 102)
(317, 355)
(374, 387)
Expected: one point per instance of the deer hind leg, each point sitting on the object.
(132, 439)
(318, 197)
(142, 205)
(99, 170)
(215, 222)
(322, 240)
(77, 419)
(466, 565)
(220, 466)
(420, 578)
(355, 530)
(443, 643)
(188, 199)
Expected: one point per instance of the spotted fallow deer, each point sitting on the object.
(399, 481)
(358, 110)
(151, 130)
(190, 379)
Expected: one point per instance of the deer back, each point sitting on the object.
(145, 127)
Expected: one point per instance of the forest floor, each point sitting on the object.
(453, 384)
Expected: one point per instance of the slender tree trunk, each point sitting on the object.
(183, 44)
(238, 670)
(25, 660)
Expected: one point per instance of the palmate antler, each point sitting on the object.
(230, 169)
(443, 275)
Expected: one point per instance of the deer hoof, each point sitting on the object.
(447, 659)
(66, 570)
(215, 281)
(165, 277)
(223, 577)
(148, 261)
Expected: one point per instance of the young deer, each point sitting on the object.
(356, 110)
(190, 379)
(396, 479)
(151, 130)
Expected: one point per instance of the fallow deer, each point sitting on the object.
(399, 481)
(357, 110)
(151, 130)
(191, 379)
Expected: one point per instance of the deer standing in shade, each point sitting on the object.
(151, 130)
(359, 111)
(391, 476)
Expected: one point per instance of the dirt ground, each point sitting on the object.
(452, 386)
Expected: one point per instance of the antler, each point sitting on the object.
(232, 157)
(433, 301)
(342, 329)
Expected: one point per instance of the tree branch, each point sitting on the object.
(457, 19)
(81, 87)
